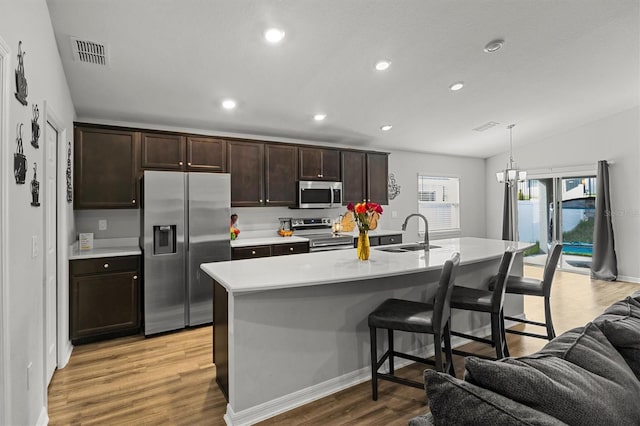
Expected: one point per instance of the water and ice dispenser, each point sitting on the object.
(164, 239)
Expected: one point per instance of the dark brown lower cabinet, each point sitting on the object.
(104, 298)
(251, 252)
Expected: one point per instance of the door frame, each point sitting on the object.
(557, 175)
(63, 344)
(5, 61)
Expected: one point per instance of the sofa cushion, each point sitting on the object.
(629, 307)
(456, 402)
(424, 420)
(624, 334)
(579, 378)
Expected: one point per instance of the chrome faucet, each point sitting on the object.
(426, 228)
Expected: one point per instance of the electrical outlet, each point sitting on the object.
(394, 214)
(102, 225)
(34, 246)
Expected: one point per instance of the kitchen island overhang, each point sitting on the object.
(292, 329)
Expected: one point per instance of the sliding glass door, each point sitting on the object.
(558, 208)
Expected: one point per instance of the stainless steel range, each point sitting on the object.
(320, 235)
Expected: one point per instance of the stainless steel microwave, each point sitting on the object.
(319, 195)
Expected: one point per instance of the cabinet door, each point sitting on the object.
(377, 175)
(281, 163)
(245, 163)
(206, 154)
(105, 168)
(104, 303)
(354, 180)
(319, 164)
(162, 151)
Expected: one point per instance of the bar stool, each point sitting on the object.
(490, 301)
(535, 287)
(415, 317)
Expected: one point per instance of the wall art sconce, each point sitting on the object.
(393, 187)
(35, 187)
(19, 159)
(69, 188)
(21, 80)
(35, 127)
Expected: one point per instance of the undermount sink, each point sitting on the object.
(406, 247)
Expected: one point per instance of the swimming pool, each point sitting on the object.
(580, 249)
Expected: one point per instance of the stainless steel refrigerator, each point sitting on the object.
(185, 222)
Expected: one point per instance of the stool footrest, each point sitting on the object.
(524, 333)
(465, 353)
(540, 324)
(400, 380)
(469, 336)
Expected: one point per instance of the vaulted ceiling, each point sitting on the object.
(172, 62)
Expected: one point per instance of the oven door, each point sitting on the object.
(328, 245)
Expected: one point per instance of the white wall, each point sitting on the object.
(406, 166)
(614, 138)
(28, 21)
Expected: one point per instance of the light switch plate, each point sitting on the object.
(102, 225)
(34, 246)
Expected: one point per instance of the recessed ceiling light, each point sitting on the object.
(386, 127)
(274, 35)
(229, 104)
(383, 65)
(493, 45)
(319, 117)
(456, 86)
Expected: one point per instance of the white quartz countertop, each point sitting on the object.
(269, 273)
(106, 247)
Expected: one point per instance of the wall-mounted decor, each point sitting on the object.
(393, 187)
(21, 80)
(35, 127)
(19, 160)
(69, 188)
(35, 187)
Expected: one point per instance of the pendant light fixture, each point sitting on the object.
(511, 175)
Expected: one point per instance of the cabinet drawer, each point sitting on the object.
(373, 241)
(103, 265)
(250, 252)
(293, 248)
(390, 239)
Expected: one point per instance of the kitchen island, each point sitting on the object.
(292, 329)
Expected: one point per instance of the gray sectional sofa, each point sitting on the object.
(589, 375)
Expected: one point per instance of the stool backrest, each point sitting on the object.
(497, 299)
(442, 302)
(550, 267)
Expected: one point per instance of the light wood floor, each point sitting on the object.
(170, 379)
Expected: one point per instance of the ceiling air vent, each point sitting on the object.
(89, 52)
(486, 126)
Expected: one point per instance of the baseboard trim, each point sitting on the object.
(628, 279)
(66, 356)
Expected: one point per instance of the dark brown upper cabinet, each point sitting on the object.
(105, 168)
(364, 177)
(377, 177)
(162, 151)
(319, 164)
(245, 163)
(281, 164)
(206, 154)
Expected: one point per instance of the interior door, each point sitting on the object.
(49, 197)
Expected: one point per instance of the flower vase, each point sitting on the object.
(363, 246)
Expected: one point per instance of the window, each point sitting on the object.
(439, 202)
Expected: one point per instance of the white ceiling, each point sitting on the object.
(171, 62)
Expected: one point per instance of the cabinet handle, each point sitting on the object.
(106, 266)
(135, 277)
(180, 163)
(188, 164)
(133, 201)
(253, 252)
(261, 200)
(267, 200)
(320, 175)
(290, 248)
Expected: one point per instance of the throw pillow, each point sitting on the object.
(624, 335)
(627, 307)
(565, 390)
(456, 402)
